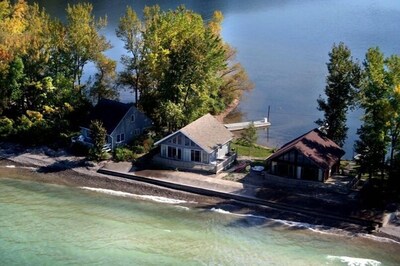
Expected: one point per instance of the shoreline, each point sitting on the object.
(39, 167)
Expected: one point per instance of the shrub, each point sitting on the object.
(139, 149)
(148, 144)
(6, 126)
(123, 154)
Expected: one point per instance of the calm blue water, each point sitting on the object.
(43, 224)
(284, 46)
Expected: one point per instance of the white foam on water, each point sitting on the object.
(166, 230)
(237, 214)
(312, 227)
(131, 195)
(183, 207)
(379, 238)
(354, 261)
(11, 166)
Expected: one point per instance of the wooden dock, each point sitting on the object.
(242, 125)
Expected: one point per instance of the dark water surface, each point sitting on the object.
(284, 46)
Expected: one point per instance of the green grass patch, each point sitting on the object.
(252, 151)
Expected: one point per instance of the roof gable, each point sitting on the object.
(207, 132)
(110, 113)
(314, 145)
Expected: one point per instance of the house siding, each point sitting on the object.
(185, 145)
(129, 128)
(293, 164)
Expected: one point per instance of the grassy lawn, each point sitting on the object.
(254, 151)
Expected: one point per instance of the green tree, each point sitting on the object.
(83, 41)
(179, 65)
(342, 80)
(373, 134)
(249, 136)
(98, 134)
(104, 83)
(393, 79)
(130, 29)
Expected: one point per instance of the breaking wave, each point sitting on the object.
(354, 261)
(379, 238)
(136, 196)
(11, 166)
(320, 229)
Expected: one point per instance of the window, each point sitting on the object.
(121, 137)
(179, 139)
(133, 118)
(195, 156)
(136, 132)
(187, 141)
(174, 153)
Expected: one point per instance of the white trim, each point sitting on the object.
(167, 137)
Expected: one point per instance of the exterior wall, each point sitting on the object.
(295, 165)
(130, 127)
(223, 150)
(185, 145)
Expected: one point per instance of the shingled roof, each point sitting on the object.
(314, 145)
(207, 132)
(109, 112)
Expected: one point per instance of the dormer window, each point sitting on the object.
(133, 118)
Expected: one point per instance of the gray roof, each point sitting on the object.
(207, 132)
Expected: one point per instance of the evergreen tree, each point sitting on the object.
(342, 80)
(98, 134)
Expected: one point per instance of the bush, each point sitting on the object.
(148, 144)
(123, 154)
(139, 149)
(6, 126)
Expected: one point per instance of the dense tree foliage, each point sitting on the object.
(375, 88)
(98, 134)
(179, 65)
(41, 64)
(342, 80)
(380, 99)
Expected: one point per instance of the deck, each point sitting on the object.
(242, 125)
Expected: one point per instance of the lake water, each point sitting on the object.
(44, 224)
(284, 46)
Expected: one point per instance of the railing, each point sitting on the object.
(89, 142)
(214, 168)
(227, 161)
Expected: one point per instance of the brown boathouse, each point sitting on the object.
(312, 156)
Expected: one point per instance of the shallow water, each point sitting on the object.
(56, 225)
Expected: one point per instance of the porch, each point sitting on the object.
(214, 167)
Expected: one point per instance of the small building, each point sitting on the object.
(122, 121)
(202, 145)
(312, 156)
